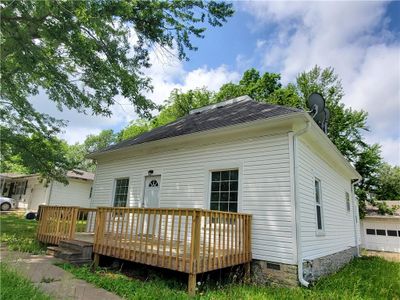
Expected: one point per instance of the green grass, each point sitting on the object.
(19, 234)
(364, 278)
(14, 286)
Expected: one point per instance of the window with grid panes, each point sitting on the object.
(121, 192)
(224, 190)
(318, 205)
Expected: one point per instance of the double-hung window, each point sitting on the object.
(318, 205)
(348, 201)
(224, 190)
(121, 192)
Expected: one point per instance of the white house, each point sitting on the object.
(381, 232)
(30, 192)
(240, 155)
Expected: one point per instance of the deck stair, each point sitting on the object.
(73, 251)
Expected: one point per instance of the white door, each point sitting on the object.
(152, 191)
(151, 200)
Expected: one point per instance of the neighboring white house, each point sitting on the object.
(381, 232)
(30, 192)
(240, 155)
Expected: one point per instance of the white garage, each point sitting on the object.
(381, 232)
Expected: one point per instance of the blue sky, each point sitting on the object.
(361, 40)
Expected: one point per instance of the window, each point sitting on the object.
(371, 231)
(318, 204)
(153, 183)
(380, 232)
(347, 201)
(121, 192)
(20, 187)
(224, 190)
(392, 233)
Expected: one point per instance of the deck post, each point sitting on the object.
(192, 285)
(96, 261)
(247, 275)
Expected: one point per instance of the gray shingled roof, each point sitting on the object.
(231, 112)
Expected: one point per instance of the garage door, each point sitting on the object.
(382, 235)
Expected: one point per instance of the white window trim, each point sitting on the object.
(115, 186)
(223, 166)
(319, 232)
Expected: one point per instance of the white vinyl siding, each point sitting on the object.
(76, 193)
(264, 184)
(338, 226)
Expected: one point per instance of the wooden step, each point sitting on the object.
(85, 248)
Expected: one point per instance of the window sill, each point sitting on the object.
(320, 233)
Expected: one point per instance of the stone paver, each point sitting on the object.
(54, 281)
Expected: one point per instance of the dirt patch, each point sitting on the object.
(390, 256)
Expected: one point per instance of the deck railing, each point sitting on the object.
(187, 240)
(58, 223)
(182, 239)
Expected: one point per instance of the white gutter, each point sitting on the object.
(297, 209)
(355, 216)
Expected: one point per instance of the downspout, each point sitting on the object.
(355, 216)
(50, 191)
(297, 208)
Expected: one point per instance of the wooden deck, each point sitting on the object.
(187, 240)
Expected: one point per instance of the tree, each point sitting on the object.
(80, 54)
(100, 141)
(252, 84)
(135, 128)
(180, 104)
(345, 125)
(30, 154)
(368, 164)
(388, 187)
(93, 142)
(176, 106)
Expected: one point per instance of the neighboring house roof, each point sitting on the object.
(231, 112)
(77, 174)
(373, 211)
(15, 175)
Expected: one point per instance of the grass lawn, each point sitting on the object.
(19, 234)
(14, 286)
(364, 278)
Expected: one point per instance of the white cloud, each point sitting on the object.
(166, 72)
(353, 38)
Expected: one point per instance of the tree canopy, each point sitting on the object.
(388, 186)
(83, 54)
